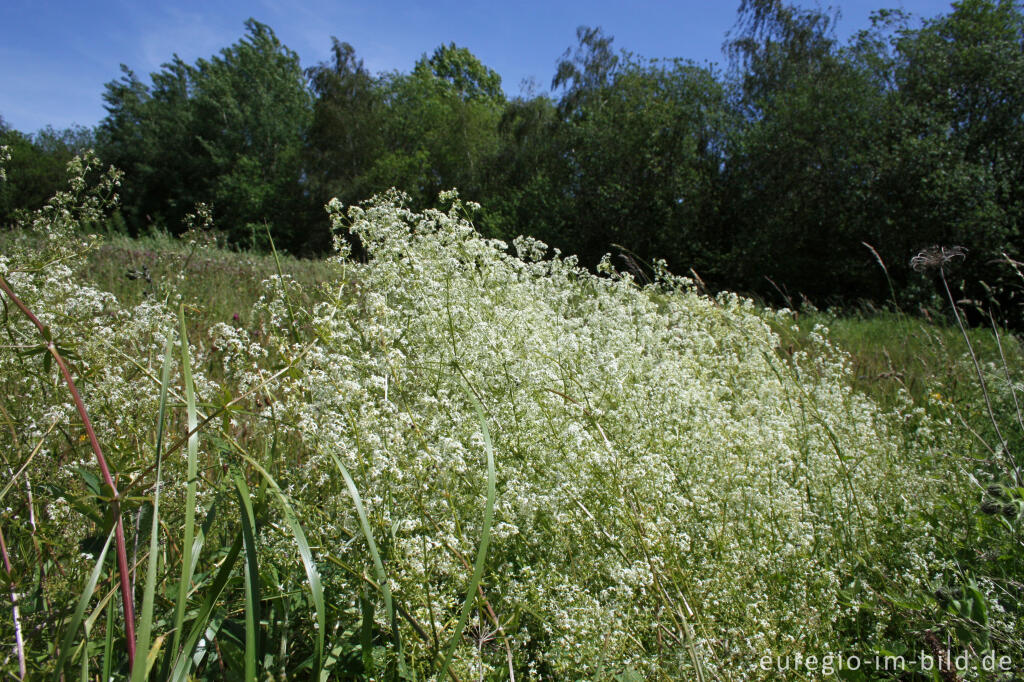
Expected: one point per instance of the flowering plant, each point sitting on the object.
(490, 464)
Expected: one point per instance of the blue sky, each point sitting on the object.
(55, 56)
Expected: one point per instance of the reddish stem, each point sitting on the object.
(120, 547)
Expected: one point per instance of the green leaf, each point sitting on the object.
(144, 661)
(188, 563)
(184, 658)
(108, 642)
(312, 574)
(364, 524)
(252, 579)
(83, 602)
(366, 630)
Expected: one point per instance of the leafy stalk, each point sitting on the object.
(187, 563)
(364, 524)
(312, 574)
(79, 613)
(252, 578)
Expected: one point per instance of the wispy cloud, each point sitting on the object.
(190, 35)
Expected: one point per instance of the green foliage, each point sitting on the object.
(423, 132)
(37, 167)
(442, 126)
(768, 177)
(524, 179)
(458, 71)
(777, 44)
(345, 137)
(797, 194)
(641, 160)
(959, 133)
(227, 131)
(659, 484)
(630, 156)
(902, 139)
(587, 70)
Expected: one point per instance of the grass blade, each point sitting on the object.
(184, 657)
(252, 579)
(83, 601)
(84, 675)
(378, 565)
(293, 328)
(197, 545)
(315, 588)
(142, 663)
(485, 536)
(108, 642)
(204, 529)
(216, 621)
(187, 563)
(366, 631)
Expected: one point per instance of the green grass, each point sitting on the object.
(895, 356)
(893, 352)
(216, 283)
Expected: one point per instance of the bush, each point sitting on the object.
(624, 480)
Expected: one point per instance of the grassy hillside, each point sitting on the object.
(459, 458)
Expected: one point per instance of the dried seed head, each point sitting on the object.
(936, 257)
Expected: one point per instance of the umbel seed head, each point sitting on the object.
(936, 257)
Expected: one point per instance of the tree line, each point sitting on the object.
(767, 176)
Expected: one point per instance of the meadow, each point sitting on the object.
(452, 457)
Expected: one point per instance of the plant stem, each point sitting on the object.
(981, 378)
(18, 639)
(121, 550)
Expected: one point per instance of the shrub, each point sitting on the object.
(624, 480)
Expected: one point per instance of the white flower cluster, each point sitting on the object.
(673, 491)
(668, 482)
(114, 355)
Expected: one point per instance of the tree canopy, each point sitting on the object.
(768, 175)
(227, 131)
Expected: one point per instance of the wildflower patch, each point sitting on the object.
(490, 457)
